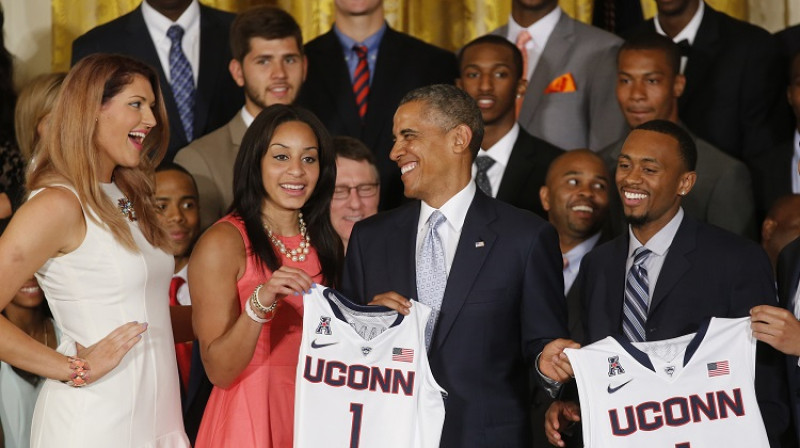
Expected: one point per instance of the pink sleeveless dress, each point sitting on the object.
(257, 410)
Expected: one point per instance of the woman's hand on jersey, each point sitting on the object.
(394, 301)
(777, 327)
(285, 281)
(106, 354)
(554, 363)
(560, 416)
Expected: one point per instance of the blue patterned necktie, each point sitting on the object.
(181, 80)
(484, 163)
(432, 272)
(637, 298)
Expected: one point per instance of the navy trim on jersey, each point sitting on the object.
(369, 309)
(644, 358)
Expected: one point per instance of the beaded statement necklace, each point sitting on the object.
(298, 254)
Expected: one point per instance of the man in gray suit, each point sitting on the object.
(570, 69)
(268, 62)
(648, 88)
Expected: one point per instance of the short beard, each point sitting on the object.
(637, 221)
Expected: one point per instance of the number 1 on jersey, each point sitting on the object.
(683, 445)
(355, 429)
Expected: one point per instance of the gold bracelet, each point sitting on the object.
(257, 303)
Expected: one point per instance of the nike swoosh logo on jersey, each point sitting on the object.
(611, 390)
(315, 345)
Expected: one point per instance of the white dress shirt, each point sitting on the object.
(157, 26)
(183, 292)
(795, 162)
(659, 246)
(247, 117)
(688, 33)
(574, 257)
(455, 210)
(500, 153)
(540, 32)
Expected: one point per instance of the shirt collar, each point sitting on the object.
(455, 209)
(539, 30)
(372, 42)
(660, 242)
(577, 252)
(501, 151)
(247, 117)
(159, 24)
(689, 32)
(796, 147)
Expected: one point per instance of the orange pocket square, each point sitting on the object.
(562, 84)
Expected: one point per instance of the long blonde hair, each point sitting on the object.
(35, 101)
(68, 152)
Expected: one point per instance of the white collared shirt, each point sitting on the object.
(688, 33)
(500, 153)
(247, 117)
(574, 257)
(455, 210)
(157, 26)
(183, 292)
(540, 32)
(795, 162)
(659, 246)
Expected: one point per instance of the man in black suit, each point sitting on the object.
(395, 64)
(732, 70)
(511, 164)
(695, 271)
(490, 271)
(142, 34)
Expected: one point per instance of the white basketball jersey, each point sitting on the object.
(694, 391)
(363, 378)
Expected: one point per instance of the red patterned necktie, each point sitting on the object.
(183, 350)
(361, 80)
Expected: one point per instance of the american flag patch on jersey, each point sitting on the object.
(718, 368)
(403, 354)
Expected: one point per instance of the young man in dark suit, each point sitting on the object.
(511, 164)
(490, 271)
(694, 271)
(358, 99)
(208, 98)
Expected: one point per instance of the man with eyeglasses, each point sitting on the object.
(357, 186)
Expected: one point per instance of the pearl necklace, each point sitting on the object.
(298, 254)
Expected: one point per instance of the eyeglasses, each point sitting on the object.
(363, 191)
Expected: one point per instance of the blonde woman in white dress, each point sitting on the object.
(90, 234)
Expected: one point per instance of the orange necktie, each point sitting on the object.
(183, 350)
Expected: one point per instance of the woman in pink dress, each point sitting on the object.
(248, 272)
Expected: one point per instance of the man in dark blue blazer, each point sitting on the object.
(398, 63)
(502, 298)
(695, 271)
(217, 97)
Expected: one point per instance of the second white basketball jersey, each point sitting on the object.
(695, 391)
(363, 378)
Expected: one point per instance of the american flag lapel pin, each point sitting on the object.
(479, 244)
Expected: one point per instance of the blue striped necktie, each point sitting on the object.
(181, 80)
(637, 298)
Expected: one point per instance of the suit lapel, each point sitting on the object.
(207, 82)
(675, 264)
(559, 45)
(337, 80)
(467, 263)
(401, 252)
(615, 279)
(384, 81)
(706, 47)
(520, 164)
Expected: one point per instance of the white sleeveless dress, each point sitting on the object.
(91, 291)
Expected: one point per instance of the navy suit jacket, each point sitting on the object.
(404, 63)
(217, 97)
(503, 301)
(708, 272)
(788, 271)
(772, 175)
(526, 172)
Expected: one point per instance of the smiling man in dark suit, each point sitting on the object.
(355, 99)
(692, 271)
(490, 271)
(511, 164)
(203, 37)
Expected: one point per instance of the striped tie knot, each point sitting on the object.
(640, 255)
(483, 163)
(175, 34)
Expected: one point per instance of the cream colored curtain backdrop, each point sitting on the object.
(446, 23)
